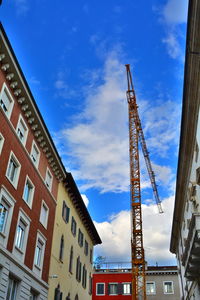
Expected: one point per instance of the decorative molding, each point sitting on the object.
(13, 84)
(28, 114)
(9, 76)
(31, 120)
(21, 100)
(2, 56)
(5, 67)
(17, 92)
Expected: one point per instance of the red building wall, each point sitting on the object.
(110, 278)
(37, 176)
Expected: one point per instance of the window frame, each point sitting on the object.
(36, 161)
(48, 184)
(6, 90)
(15, 179)
(97, 284)
(20, 251)
(71, 257)
(10, 288)
(154, 288)
(10, 202)
(168, 293)
(23, 123)
(31, 194)
(80, 238)
(61, 250)
(73, 226)
(113, 284)
(86, 248)
(45, 224)
(123, 284)
(65, 212)
(2, 139)
(37, 268)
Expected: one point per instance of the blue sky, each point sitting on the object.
(73, 55)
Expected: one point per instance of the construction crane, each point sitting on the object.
(135, 136)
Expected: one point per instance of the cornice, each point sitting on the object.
(21, 91)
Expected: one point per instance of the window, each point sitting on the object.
(35, 154)
(6, 211)
(78, 269)
(150, 287)
(196, 152)
(22, 130)
(28, 191)
(126, 288)
(48, 179)
(113, 289)
(44, 213)
(73, 226)
(65, 212)
(80, 238)
(21, 235)
(1, 142)
(12, 289)
(84, 277)
(86, 248)
(71, 260)
(91, 256)
(61, 248)
(168, 287)
(13, 170)
(100, 289)
(39, 253)
(90, 284)
(6, 100)
(4, 208)
(198, 175)
(33, 295)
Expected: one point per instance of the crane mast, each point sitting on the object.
(135, 136)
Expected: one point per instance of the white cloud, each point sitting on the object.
(116, 232)
(98, 141)
(175, 11)
(22, 7)
(85, 199)
(173, 47)
(172, 15)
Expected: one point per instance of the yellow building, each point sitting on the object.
(74, 237)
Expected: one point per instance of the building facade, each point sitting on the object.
(161, 284)
(30, 171)
(73, 240)
(185, 236)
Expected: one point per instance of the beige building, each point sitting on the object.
(73, 240)
(185, 237)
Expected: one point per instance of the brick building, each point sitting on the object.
(161, 283)
(30, 170)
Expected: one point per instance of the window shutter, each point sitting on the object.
(120, 289)
(131, 287)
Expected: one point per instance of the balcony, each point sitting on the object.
(191, 255)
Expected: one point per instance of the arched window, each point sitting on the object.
(61, 248)
(71, 260)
